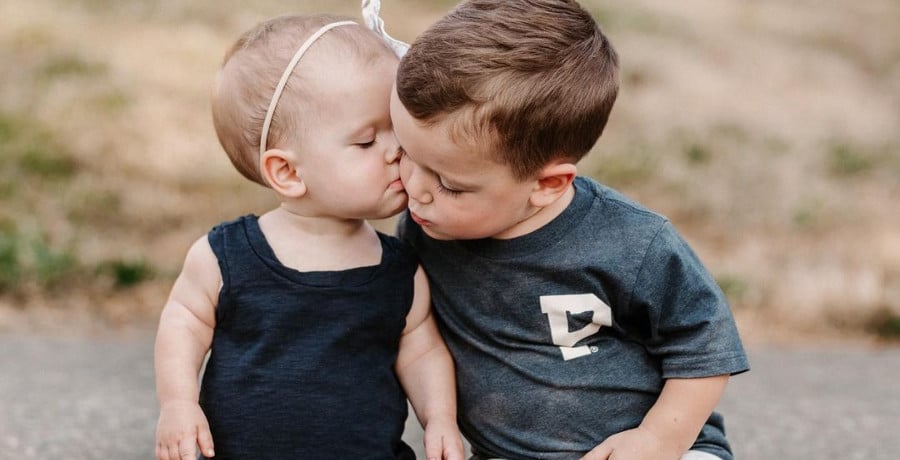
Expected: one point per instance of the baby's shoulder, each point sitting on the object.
(394, 247)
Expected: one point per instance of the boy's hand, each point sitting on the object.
(635, 444)
(182, 426)
(443, 441)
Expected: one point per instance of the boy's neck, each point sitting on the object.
(541, 217)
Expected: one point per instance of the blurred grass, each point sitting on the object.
(765, 130)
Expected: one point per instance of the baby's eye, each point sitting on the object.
(365, 145)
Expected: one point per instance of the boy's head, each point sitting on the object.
(524, 84)
(330, 133)
(536, 78)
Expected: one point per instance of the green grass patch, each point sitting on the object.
(632, 19)
(127, 273)
(28, 148)
(32, 261)
(885, 324)
(47, 161)
(65, 66)
(7, 129)
(32, 39)
(7, 189)
(808, 213)
(28, 263)
(697, 154)
(114, 100)
(10, 262)
(96, 205)
(52, 267)
(845, 160)
(621, 169)
(733, 287)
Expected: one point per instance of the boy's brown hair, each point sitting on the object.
(251, 69)
(537, 77)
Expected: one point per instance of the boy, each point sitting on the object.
(582, 325)
(314, 321)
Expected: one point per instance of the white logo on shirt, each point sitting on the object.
(557, 309)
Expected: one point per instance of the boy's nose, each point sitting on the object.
(414, 182)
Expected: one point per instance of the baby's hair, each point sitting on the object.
(252, 68)
(537, 78)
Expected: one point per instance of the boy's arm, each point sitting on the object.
(425, 369)
(671, 426)
(184, 336)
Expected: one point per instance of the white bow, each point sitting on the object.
(371, 10)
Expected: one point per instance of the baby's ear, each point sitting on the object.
(552, 183)
(279, 170)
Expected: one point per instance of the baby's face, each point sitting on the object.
(456, 191)
(349, 158)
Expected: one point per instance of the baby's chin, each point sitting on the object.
(389, 211)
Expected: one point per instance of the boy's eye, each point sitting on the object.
(441, 188)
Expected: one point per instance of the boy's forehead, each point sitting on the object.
(440, 148)
(443, 136)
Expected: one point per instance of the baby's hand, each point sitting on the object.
(182, 426)
(635, 444)
(443, 441)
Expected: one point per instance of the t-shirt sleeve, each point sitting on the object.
(691, 329)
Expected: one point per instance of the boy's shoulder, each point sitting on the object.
(613, 208)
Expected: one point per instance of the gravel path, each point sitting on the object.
(92, 398)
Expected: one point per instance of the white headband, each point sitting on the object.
(370, 11)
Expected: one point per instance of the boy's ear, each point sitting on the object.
(552, 182)
(279, 170)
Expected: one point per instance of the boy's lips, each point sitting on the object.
(396, 185)
(415, 217)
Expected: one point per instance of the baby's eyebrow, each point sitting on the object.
(364, 130)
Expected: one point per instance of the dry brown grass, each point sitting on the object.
(766, 130)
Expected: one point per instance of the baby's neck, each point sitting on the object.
(316, 226)
(307, 243)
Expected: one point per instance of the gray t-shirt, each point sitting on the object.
(564, 336)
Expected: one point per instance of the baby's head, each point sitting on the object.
(255, 63)
(536, 79)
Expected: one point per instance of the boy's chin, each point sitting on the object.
(428, 230)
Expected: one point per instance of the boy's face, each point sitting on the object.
(349, 158)
(455, 190)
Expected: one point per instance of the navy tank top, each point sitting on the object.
(301, 364)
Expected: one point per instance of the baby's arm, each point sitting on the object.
(425, 370)
(184, 336)
(671, 426)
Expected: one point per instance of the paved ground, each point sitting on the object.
(81, 399)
